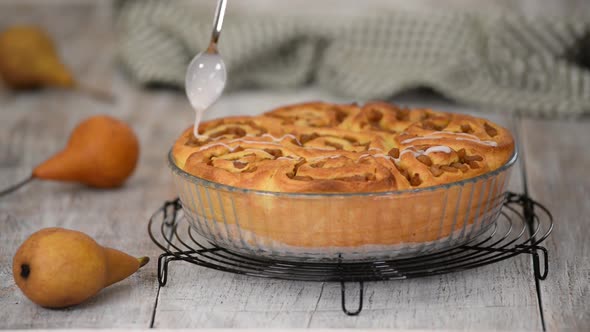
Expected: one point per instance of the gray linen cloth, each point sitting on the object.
(505, 62)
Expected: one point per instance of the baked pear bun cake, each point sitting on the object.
(328, 181)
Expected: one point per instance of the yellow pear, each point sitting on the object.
(28, 59)
(58, 268)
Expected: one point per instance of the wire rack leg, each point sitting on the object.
(537, 263)
(170, 211)
(528, 205)
(343, 293)
(529, 214)
(163, 261)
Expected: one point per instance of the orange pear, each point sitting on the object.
(58, 268)
(101, 152)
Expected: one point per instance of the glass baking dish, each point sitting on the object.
(345, 226)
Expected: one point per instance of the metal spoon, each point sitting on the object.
(206, 74)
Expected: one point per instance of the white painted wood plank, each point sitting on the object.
(557, 161)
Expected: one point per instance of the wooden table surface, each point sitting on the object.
(553, 168)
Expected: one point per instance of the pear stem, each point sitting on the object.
(96, 93)
(143, 261)
(16, 186)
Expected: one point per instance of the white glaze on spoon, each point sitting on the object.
(205, 81)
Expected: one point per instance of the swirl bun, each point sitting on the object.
(322, 147)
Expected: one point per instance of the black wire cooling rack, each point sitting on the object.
(523, 224)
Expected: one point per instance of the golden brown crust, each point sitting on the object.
(323, 147)
(313, 114)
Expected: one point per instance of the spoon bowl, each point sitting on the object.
(205, 80)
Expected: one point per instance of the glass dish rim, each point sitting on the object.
(216, 185)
